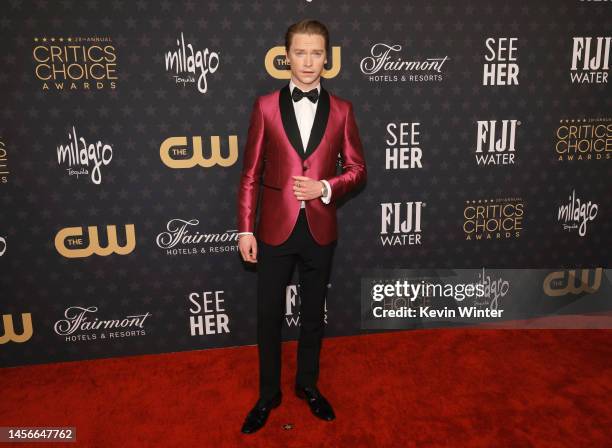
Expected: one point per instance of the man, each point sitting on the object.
(294, 139)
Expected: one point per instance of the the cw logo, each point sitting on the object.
(561, 283)
(9, 330)
(73, 236)
(176, 146)
(278, 52)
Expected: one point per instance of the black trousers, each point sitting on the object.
(275, 266)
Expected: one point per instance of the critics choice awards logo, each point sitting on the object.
(488, 219)
(75, 63)
(583, 139)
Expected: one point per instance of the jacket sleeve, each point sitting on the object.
(252, 167)
(354, 169)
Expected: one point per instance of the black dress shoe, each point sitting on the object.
(317, 402)
(258, 416)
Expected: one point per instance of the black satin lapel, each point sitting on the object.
(320, 122)
(289, 121)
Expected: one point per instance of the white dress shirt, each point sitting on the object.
(305, 111)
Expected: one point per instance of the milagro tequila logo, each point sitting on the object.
(79, 155)
(576, 214)
(383, 64)
(498, 139)
(494, 290)
(182, 238)
(188, 63)
(590, 60)
(80, 324)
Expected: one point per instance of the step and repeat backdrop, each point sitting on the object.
(486, 127)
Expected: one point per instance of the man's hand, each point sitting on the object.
(308, 188)
(248, 248)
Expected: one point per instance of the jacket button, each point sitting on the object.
(305, 167)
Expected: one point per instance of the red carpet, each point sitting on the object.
(458, 387)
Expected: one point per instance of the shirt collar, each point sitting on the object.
(292, 85)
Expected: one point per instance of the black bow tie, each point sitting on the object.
(312, 95)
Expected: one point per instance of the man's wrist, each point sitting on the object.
(323, 189)
(326, 192)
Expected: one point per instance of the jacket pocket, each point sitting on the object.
(271, 186)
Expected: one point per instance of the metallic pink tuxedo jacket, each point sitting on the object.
(274, 148)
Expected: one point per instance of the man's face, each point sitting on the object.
(307, 56)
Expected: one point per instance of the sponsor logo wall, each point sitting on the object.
(487, 130)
